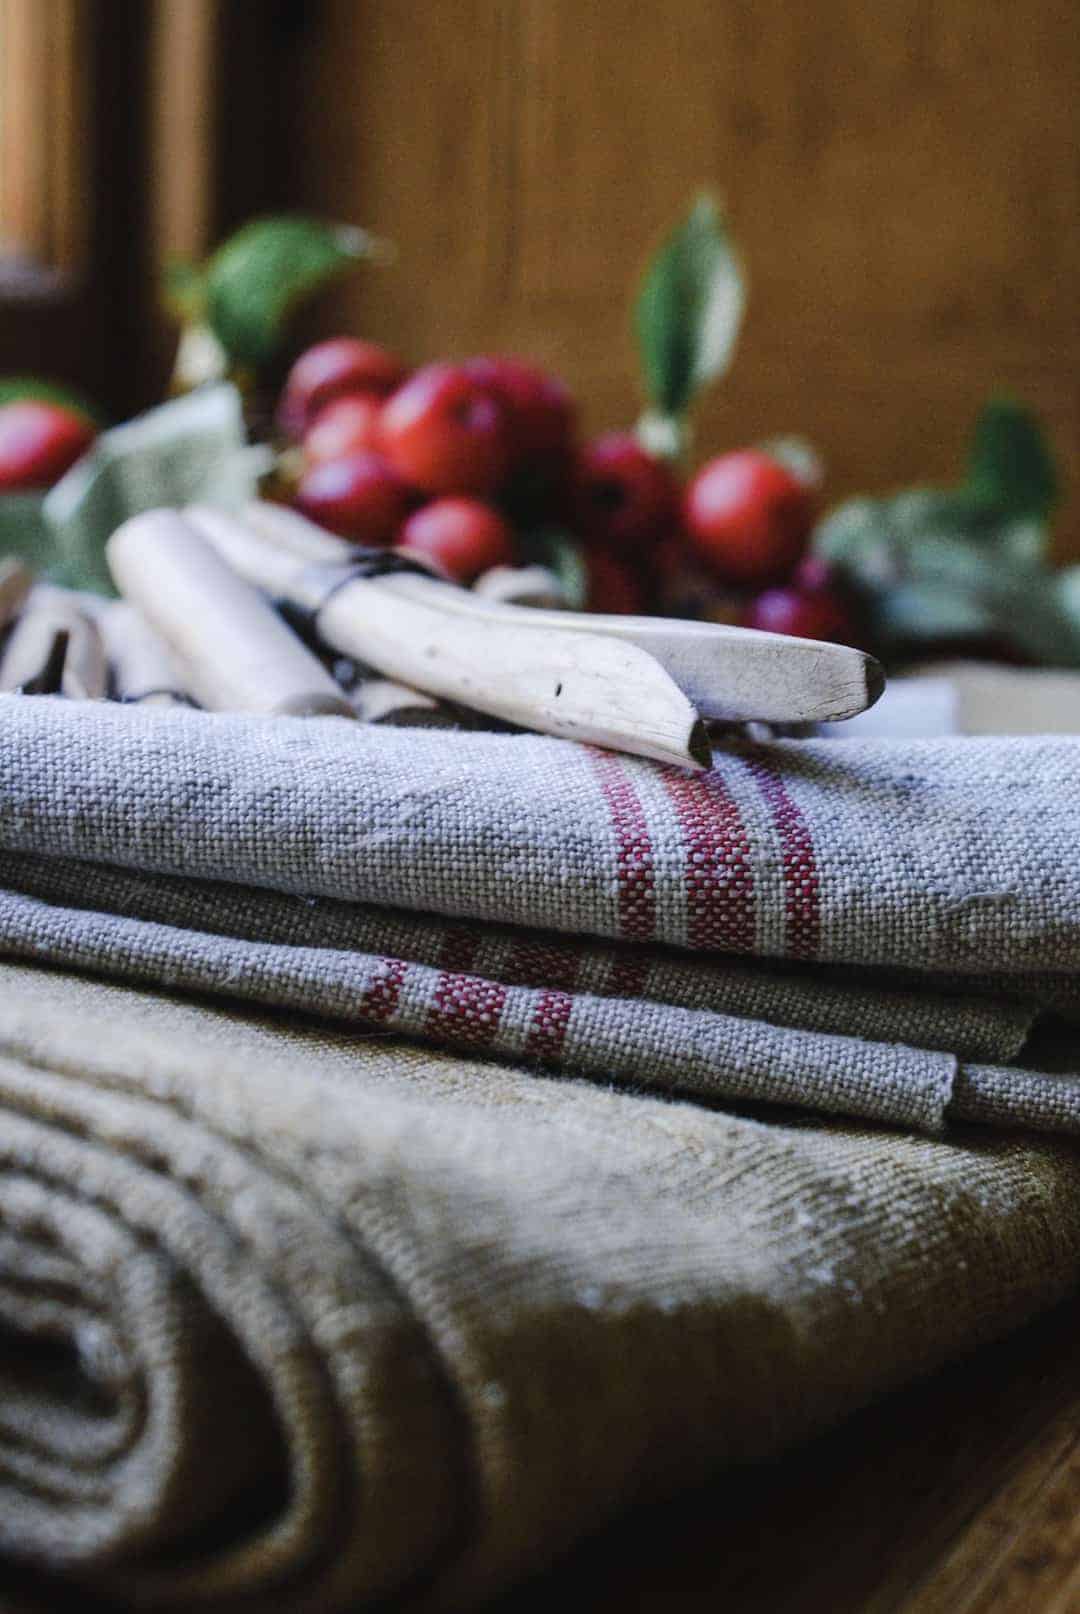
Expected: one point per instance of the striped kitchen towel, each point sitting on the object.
(885, 929)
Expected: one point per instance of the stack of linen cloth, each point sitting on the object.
(624, 1122)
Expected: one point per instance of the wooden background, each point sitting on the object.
(903, 177)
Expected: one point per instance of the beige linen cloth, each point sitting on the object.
(306, 1313)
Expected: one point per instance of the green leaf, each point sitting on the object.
(23, 530)
(189, 450)
(1010, 466)
(256, 279)
(689, 310)
(934, 611)
(1033, 615)
(933, 566)
(561, 554)
(859, 539)
(1023, 544)
(184, 289)
(1068, 590)
(14, 388)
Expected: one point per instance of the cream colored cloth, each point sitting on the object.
(294, 1318)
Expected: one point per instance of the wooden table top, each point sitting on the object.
(960, 1495)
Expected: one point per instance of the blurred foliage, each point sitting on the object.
(968, 565)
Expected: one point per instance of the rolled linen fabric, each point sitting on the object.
(300, 1319)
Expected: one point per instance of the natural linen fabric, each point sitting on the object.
(302, 1314)
(294, 1319)
(872, 929)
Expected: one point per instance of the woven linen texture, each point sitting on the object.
(346, 1319)
(872, 929)
(417, 1148)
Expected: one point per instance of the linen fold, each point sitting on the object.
(873, 929)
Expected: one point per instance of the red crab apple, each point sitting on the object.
(358, 497)
(626, 499)
(330, 369)
(463, 537)
(345, 425)
(749, 517)
(614, 585)
(446, 432)
(38, 442)
(539, 406)
(811, 606)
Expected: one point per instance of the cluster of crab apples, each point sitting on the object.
(456, 462)
(460, 462)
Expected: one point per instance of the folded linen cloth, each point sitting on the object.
(874, 929)
(294, 1319)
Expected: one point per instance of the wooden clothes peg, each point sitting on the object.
(639, 684)
(733, 675)
(235, 651)
(54, 648)
(144, 670)
(581, 687)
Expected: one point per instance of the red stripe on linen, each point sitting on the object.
(380, 1000)
(550, 1020)
(634, 868)
(543, 961)
(802, 884)
(719, 874)
(466, 1009)
(628, 976)
(553, 965)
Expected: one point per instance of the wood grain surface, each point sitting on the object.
(957, 1496)
(903, 179)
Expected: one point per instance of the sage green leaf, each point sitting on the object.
(859, 539)
(918, 612)
(1068, 587)
(1010, 466)
(966, 562)
(256, 279)
(191, 449)
(14, 388)
(23, 531)
(918, 511)
(689, 310)
(1023, 543)
(1032, 614)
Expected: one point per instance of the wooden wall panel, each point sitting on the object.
(904, 179)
